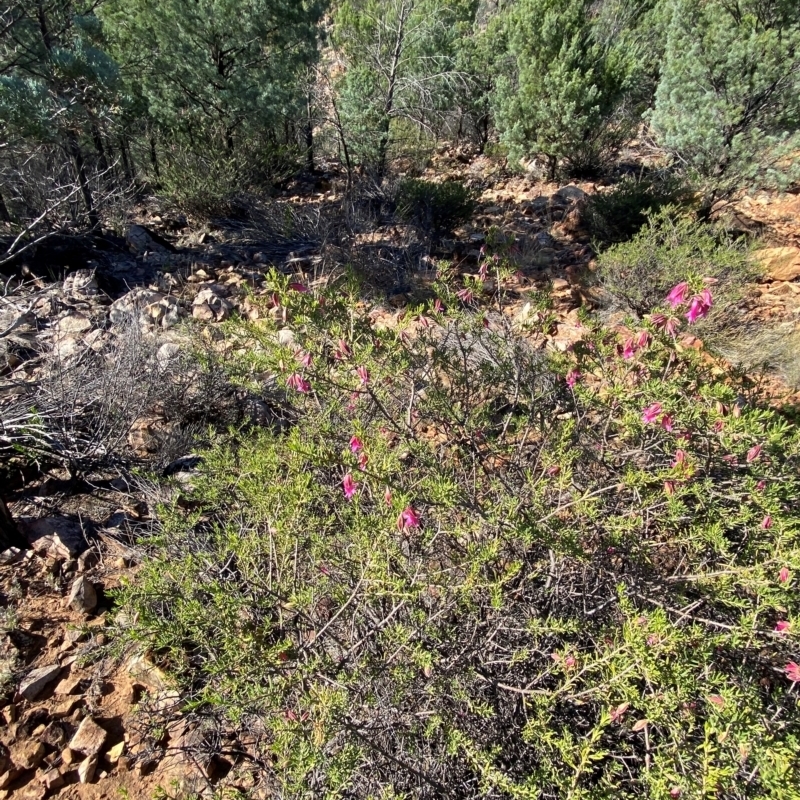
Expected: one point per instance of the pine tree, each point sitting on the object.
(58, 91)
(569, 97)
(216, 73)
(728, 101)
(400, 65)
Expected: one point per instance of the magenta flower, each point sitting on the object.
(680, 458)
(753, 453)
(465, 295)
(761, 485)
(678, 294)
(667, 422)
(669, 488)
(718, 426)
(642, 339)
(349, 486)
(629, 349)
(297, 382)
(363, 374)
(697, 309)
(784, 575)
(298, 287)
(766, 523)
(363, 460)
(424, 321)
(408, 519)
(573, 376)
(438, 306)
(651, 413)
(483, 271)
(343, 350)
(705, 296)
(305, 359)
(782, 626)
(793, 672)
(356, 444)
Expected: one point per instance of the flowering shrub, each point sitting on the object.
(668, 249)
(468, 570)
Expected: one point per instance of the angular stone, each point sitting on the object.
(89, 738)
(82, 596)
(115, 753)
(52, 779)
(54, 537)
(28, 755)
(86, 769)
(203, 312)
(37, 680)
(74, 323)
(780, 263)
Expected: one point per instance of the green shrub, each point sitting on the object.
(436, 208)
(670, 249)
(619, 214)
(532, 591)
(213, 183)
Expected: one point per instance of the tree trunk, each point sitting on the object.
(9, 532)
(388, 108)
(308, 131)
(4, 215)
(83, 181)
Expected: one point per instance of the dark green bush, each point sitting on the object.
(436, 208)
(617, 215)
(459, 575)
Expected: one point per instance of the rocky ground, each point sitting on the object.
(72, 725)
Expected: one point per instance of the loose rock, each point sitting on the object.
(89, 738)
(36, 681)
(82, 596)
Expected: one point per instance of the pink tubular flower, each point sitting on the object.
(642, 339)
(705, 296)
(667, 422)
(570, 662)
(356, 444)
(784, 575)
(573, 376)
(677, 295)
(766, 523)
(363, 460)
(297, 382)
(629, 349)
(305, 359)
(664, 323)
(349, 486)
(363, 374)
(782, 626)
(753, 453)
(651, 413)
(680, 458)
(298, 287)
(408, 519)
(438, 306)
(669, 488)
(465, 295)
(793, 672)
(761, 485)
(343, 350)
(387, 496)
(697, 309)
